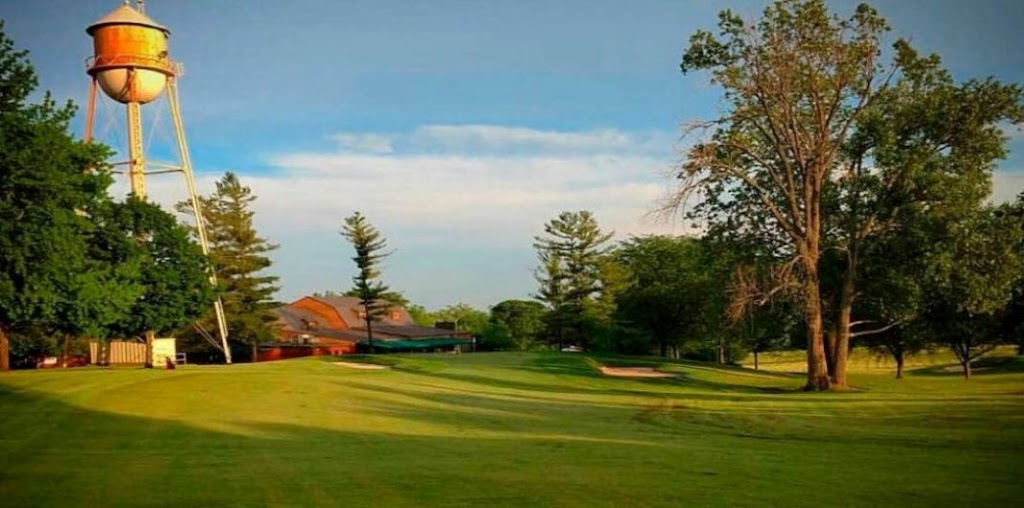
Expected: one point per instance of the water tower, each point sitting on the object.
(132, 66)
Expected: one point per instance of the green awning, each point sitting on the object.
(419, 344)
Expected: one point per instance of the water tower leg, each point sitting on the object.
(186, 168)
(136, 157)
(90, 112)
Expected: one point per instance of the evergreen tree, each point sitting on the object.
(240, 259)
(369, 246)
(552, 292)
(570, 273)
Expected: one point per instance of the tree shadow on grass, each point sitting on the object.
(60, 454)
(984, 366)
(683, 370)
(64, 455)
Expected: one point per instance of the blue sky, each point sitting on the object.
(457, 127)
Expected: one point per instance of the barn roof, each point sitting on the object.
(349, 307)
(297, 319)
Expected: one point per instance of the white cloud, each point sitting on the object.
(365, 143)
(502, 139)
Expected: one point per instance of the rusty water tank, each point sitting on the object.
(130, 60)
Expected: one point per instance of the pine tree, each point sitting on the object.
(369, 246)
(239, 256)
(570, 274)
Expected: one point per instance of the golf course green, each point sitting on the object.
(509, 429)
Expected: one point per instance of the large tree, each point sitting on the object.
(176, 289)
(463, 317)
(240, 258)
(46, 196)
(1011, 322)
(570, 273)
(370, 247)
(822, 148)
(100, 287)
(522, 319)
(669, 289)
(973, 276)
(551, 277)
(923, 151)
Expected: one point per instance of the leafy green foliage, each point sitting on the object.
(464, 317)
(46, 200)
(826, 152)
(519, 324)
(974, 273)
(669, 289)
(174, 278)
(420, 315)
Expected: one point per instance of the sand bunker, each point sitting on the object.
(634, 372)
(364, 366)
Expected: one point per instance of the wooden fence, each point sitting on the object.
(118, 352)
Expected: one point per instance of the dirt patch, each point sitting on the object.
(364, 366)
(635, 372)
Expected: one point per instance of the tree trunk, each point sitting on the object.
(830, 354)
(369, 328)
(817, 371)
(841, 341)
(255, 351)
(5, 351)
(664, 349)
(721, 351)
(963, 353)
(899, 366)
(65, 351)
(755, 359)
(150, 335)
(675, 351)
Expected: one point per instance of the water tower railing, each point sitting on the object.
(113, 61)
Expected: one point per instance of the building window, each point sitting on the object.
(395, 315)
(362, 314)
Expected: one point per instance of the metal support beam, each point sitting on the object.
(90, 112)
(136, 155)
(186, 168)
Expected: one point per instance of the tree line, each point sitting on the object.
(710, 297)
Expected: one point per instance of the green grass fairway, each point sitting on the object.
(507, 429)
